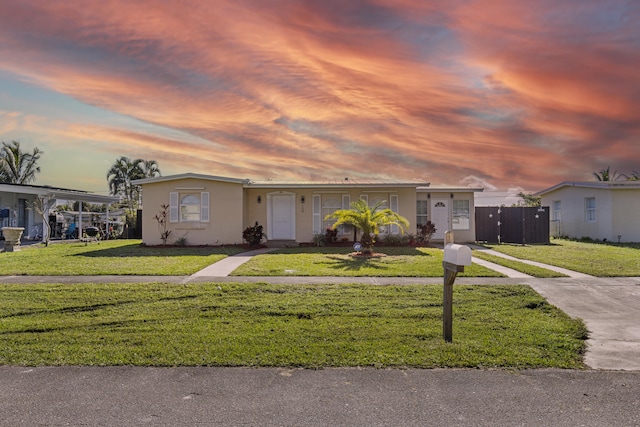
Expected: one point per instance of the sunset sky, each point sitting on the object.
(510, 94)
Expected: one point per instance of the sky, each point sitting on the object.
(508, 95)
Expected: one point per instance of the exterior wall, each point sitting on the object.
(626, 221)
(31, 219)
(573, 222)
(304, 218)
(225, 212)
(459, 235)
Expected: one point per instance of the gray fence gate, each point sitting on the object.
(512, 224)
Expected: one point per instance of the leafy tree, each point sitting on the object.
(606, 175)
(529, 200)
(125, 170)
(17, 166)
(368, 220)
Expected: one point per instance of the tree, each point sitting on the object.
(528, 200)
(17, 166)
(125, 170)
(606, 175)
(368, 220)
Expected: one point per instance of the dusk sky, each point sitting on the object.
(504, 94)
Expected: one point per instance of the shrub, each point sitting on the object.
(253, 235)
(319, 239)
(331, 235)
(161, 218)
(426, 232)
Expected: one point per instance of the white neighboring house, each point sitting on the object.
(600, 210)
(16, 205)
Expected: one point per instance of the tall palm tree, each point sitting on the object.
(606, 175)
(17, 166)
(122, 172)
(368, 220)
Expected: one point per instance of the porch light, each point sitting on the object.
(302, 199)
(259, 199)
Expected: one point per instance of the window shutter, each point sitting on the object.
(204, 206)
(173, 207)
(317, 216)
(365, 197)
(393, 202)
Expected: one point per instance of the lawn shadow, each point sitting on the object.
(137, 250)
(354, 263)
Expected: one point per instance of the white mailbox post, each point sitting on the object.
(455, 258)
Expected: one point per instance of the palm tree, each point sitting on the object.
(16, 166)
(122, 172)
(635, 176)
(368, 220)
(149, 168)
(606, 175)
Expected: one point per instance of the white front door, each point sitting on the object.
(281, 221)
(440, 217)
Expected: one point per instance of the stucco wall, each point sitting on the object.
(626, 215)
(226, 212)
(573, 216)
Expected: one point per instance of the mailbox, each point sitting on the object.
(457, 254)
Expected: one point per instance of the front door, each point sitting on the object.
(282, 217)
(440, 217)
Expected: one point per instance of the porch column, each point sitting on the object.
(79, 228)
(106, 231)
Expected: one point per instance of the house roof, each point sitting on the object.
(57, 193)
(269, 183)
(611, 185)
(450, 189)
(188, 176)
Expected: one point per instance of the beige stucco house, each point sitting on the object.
(600, 210)
(214, 210)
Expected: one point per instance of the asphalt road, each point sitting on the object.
(134, 396)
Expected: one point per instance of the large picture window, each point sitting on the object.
(189, 207)
(461, 219)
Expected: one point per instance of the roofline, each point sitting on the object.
(57, 193)
(293, 184)
(450, 189)
(613, 185)
(188, 176)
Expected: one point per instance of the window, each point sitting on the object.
(590, 209)
(330, 204)
(421, 213)
(556, 216)
(189, 207)
(461, 220)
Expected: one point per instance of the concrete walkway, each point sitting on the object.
(225, 266)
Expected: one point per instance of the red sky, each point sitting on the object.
(502, 94)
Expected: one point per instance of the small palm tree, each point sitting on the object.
(368, 220)
(16, 166)
(606, 175)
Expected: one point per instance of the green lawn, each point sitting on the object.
(336, 261)
(277, 325)
(596, 259)
(522, 267)
(118, 257)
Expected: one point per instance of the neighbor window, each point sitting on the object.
(556, 211)
(189, 207)
(590, 209)
(460, 220)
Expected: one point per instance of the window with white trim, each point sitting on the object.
(421, 213)
(330, 204)
(189, 207)
(461, 219)
(590, 209)
(556, 214)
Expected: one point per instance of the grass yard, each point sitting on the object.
(336, 261)
(113, 257)
(596, 259)
(522, 267)
(283, 325)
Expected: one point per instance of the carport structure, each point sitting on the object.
(17, 203)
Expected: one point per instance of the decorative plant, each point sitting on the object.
(253, 235)
(331, 235)
(319, 239)
(426, 232)
(161, 218)
(368, 220)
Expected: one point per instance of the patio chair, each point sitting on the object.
(71, 232)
